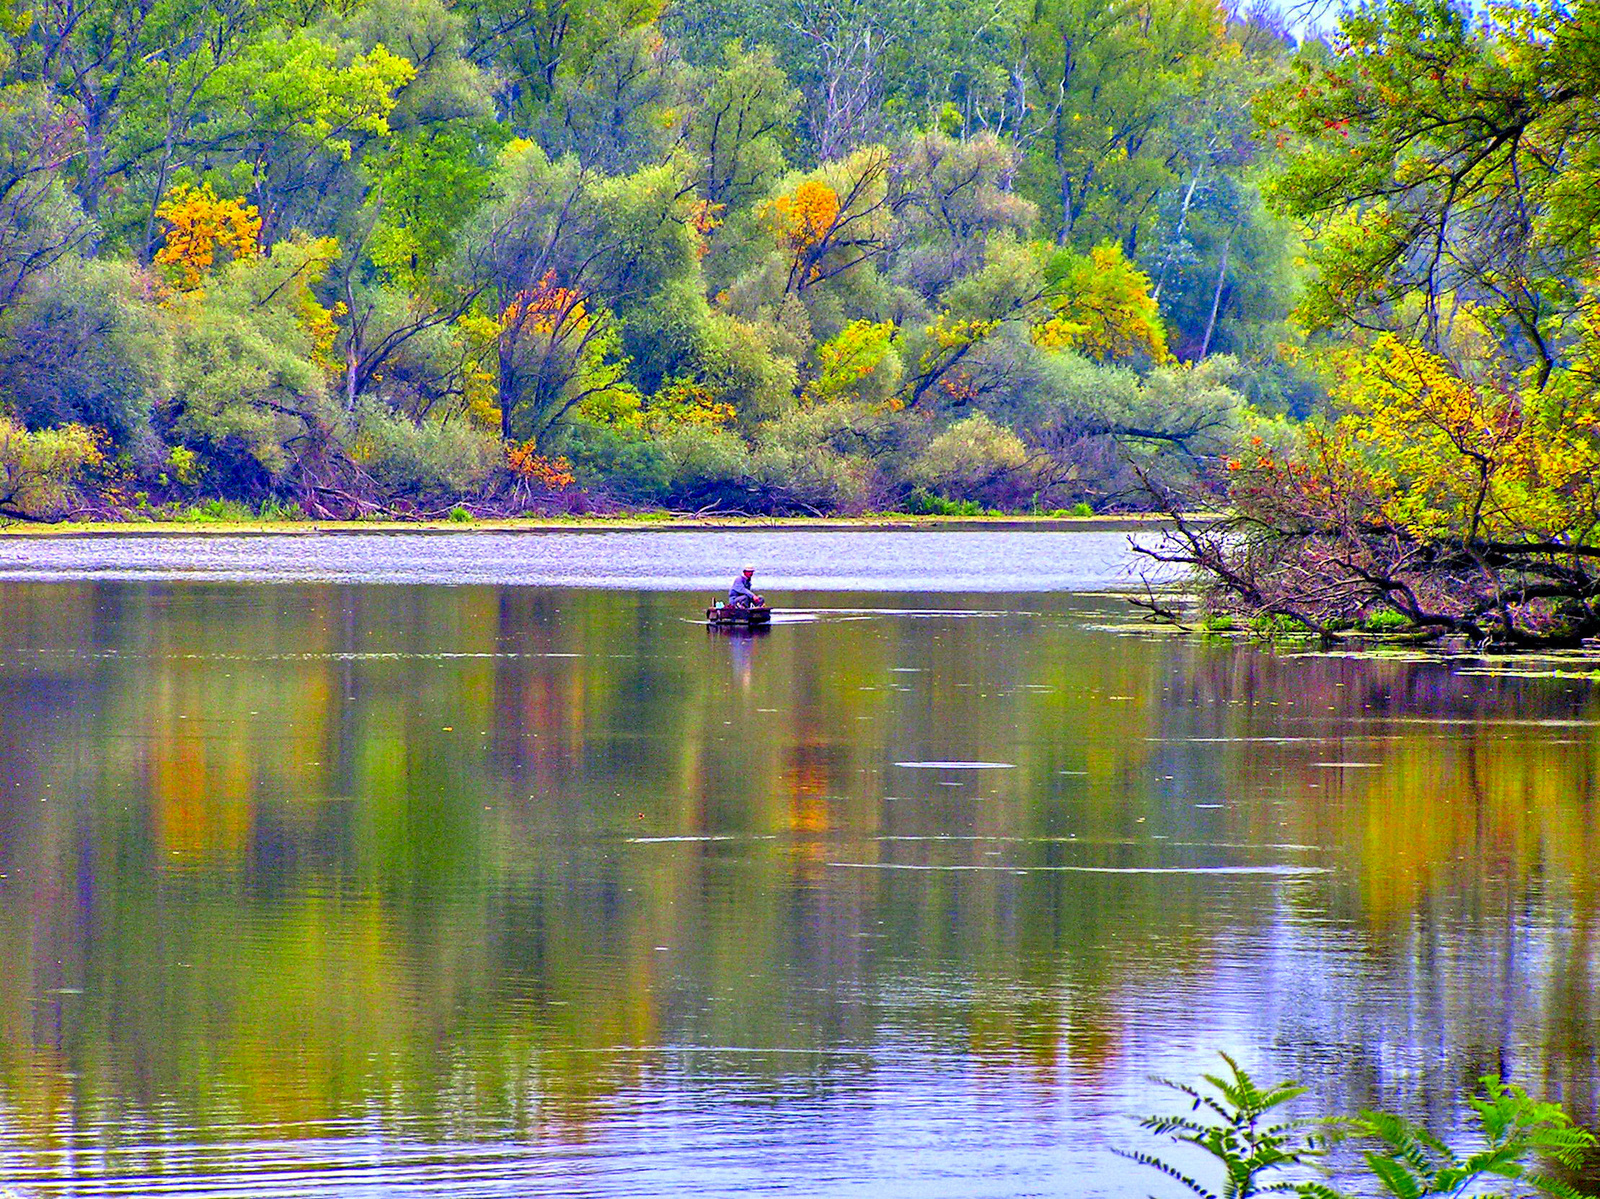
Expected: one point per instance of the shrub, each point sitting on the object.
(1385, 620)
(686, 464)
(84, 347)
(975, 459)
(623, 460)
(1277, 623)
(703, 462)
(460, 516)
(805, 460)
(1234, 1122)
(430, 459)
(183, 466)
(924, 503)
(219, 510)
(273, 509)
(40, 471)
(251, 369)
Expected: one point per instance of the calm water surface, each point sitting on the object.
(350, 888)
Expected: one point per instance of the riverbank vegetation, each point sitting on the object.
(492, 257)
(1517, 1147)
(412, 256)
(1442, 163)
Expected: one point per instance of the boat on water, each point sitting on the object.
(724, 615)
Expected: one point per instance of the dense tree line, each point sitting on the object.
(810, 255)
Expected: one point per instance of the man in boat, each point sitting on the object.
(740, 595)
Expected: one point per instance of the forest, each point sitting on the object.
(403, 258)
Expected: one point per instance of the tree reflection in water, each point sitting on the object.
(467, 864)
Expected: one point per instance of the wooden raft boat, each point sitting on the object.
(746, 617)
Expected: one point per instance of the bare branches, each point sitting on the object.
(1330, 562)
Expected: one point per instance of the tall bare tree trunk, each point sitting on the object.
(1177, 232)
(1216, 298)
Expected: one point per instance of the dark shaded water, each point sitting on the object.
(344, 889)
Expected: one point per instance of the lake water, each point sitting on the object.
(355, 883)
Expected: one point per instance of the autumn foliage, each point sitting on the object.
(200, 227)
(1101, 307)
(525, 462)
(1463, 501)
(546, 309)
(368, 257)
(1441, 161)
(804, 217)
(845, 362)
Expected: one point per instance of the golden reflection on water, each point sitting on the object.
(495, 862)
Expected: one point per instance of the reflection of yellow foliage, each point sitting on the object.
(1437, 810)
(38, 1096)
(201, 792)
(199, 226)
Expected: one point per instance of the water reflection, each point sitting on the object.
(504, 890)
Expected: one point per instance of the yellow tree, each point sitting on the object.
(834, 219)
(200, 226)
(1101, 307)
(858, 362)
(1457, 458)
(1453, 493)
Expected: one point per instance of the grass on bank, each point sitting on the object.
(230, 517)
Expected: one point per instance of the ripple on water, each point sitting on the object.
(955, 765)
(1278, 870)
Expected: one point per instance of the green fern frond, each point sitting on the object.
(1172, 1172)
(1556, 1188)
(1395, 1178)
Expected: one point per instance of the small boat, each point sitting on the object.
(721, 614)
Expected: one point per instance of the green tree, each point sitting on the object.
(252, 365)
(40, 219)
(737, 132)
(1440, 160)
(1104, 81)
(288, 103)
(84, 346)
(952, 196)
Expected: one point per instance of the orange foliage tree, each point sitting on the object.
(527, 464)
(199, 226)
(553, 353)
(805, 217)
(833, 220)
(546, 309)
